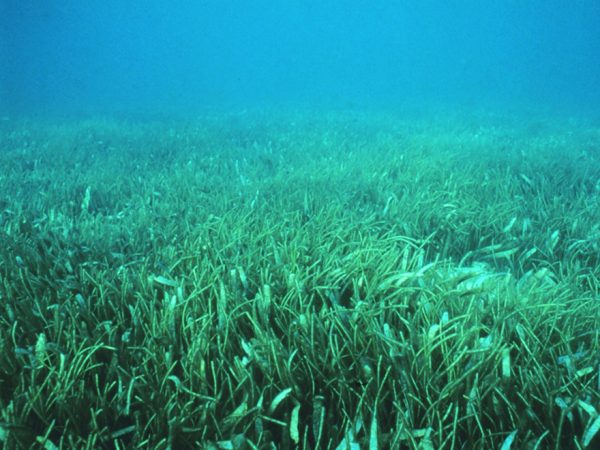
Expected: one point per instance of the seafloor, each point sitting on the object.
(315, 280)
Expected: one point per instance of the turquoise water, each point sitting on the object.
(179, 58)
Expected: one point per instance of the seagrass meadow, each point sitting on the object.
(310, 281)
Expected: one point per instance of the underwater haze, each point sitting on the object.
(74, 57)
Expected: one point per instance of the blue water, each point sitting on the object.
(181, 57)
